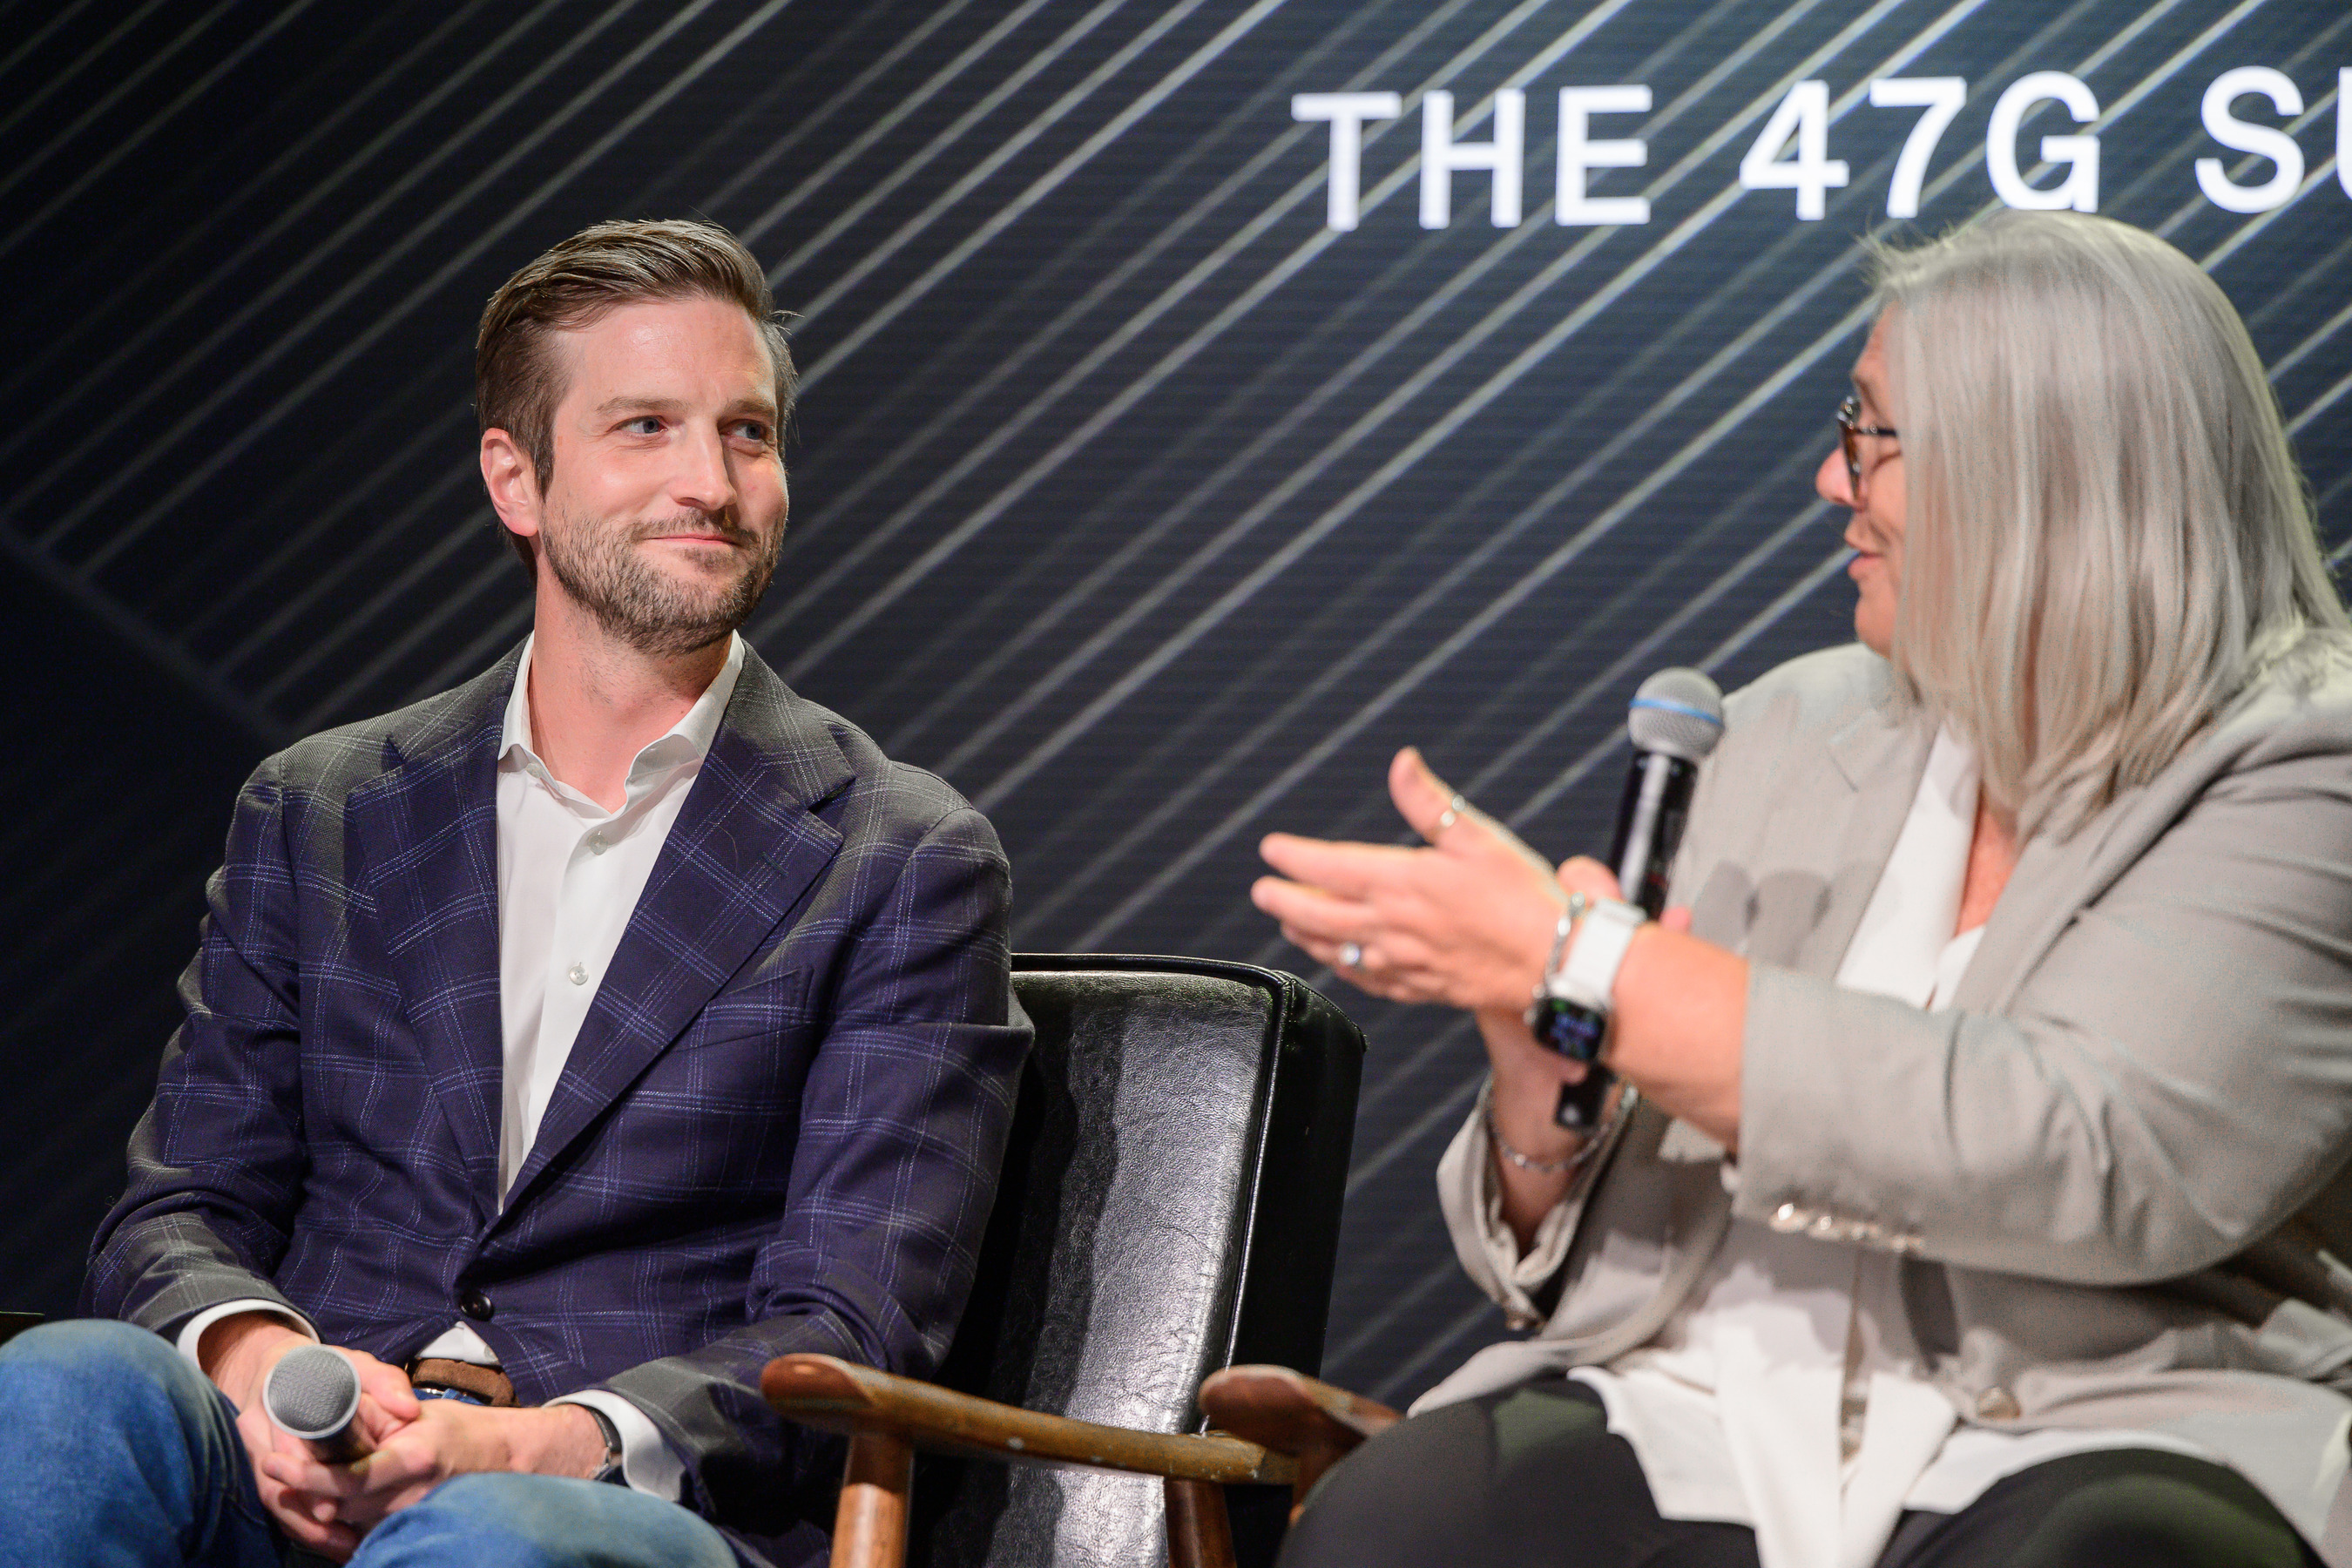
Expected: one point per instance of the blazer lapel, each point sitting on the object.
(1879, 757)
(1847, 806)
(2045, 888)
(2054, 881)
(431, 827)
(1848, 812)
(746, 846)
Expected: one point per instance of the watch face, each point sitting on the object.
(1574, 1032)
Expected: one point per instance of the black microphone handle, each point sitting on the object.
(344, 1446)
(1581, 1102)
(1649, 827)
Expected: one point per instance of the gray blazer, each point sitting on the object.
(2146, 1068)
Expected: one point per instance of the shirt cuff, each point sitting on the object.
(1485, 1244)
(646, 1462)
(1547, 1249)
(192, 1334)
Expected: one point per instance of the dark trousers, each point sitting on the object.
(1535, 1478)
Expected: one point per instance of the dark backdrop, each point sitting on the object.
(1146, 508)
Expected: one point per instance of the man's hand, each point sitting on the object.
(450, 1438)
(237, 1354)
(1467, 922)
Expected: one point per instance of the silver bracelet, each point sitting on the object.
(1545, 1167)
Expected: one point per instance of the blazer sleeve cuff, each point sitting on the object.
(1808, 1164)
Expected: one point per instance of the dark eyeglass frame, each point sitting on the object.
(1850, 437)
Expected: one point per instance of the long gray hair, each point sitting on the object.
(2106, 537)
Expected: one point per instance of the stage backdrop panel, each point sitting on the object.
(1202, 399)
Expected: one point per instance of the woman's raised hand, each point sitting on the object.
(1467, 922)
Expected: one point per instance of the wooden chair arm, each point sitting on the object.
(1287, 1411)
(836, 1396)
(1290, 1413)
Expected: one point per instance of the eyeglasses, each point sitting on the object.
(1850, 437)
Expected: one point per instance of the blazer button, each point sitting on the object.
(477, 1305)
(1997, 1405)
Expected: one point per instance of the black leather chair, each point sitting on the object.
(1169, 1205)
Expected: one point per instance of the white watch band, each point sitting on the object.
(1590, 974)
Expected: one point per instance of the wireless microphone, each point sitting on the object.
(1675, 718)
(314, 1394)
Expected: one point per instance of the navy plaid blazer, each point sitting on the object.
(779, 1129)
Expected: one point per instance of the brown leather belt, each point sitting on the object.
(487, 1384)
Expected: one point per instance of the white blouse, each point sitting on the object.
(1786, 1395)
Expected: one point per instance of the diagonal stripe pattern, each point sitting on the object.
(1146, 509)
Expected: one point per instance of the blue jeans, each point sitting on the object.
(115, 1451)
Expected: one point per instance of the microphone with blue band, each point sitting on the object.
(1675, 720)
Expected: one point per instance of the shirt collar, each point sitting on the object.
(688, 741)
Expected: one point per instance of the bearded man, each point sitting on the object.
(562, 1047)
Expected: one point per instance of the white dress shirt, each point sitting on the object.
(1788, 1395)
(570, 874)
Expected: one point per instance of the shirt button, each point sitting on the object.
(476, 1304)
(1997, 1405)
(577, 974)
(597, 846)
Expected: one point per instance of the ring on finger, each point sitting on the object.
(1452, 814)
(1352, 953)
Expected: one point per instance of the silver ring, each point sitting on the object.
(1452, 814)
(1352, 953)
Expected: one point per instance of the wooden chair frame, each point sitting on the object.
(888, 1418)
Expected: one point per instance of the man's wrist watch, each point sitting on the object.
(611, 1470)
(1571, 1010)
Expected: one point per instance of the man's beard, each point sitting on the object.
(597, 562)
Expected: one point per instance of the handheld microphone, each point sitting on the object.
(314, 1394)
(1676, 719)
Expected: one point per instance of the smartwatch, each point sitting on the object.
(1571, 1010)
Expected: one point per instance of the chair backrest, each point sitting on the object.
(1169, 1205)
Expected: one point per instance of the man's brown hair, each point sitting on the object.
(517, 381)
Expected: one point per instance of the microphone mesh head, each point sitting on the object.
(312, 1392)
(1677, 711)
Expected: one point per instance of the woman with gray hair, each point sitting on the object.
(2005, 1014)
